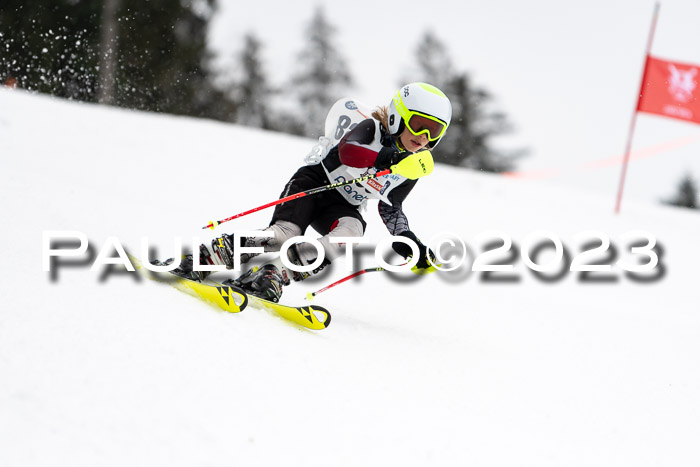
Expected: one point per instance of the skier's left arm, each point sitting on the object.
(396, 222)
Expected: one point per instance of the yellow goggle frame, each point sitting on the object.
(409, 115)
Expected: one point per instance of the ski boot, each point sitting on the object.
(265, 282)
(186, 267)
(295, 258)
(220, 253)
(222, 250)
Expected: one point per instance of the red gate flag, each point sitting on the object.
(670, 89)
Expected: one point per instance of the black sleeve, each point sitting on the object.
(392, 214)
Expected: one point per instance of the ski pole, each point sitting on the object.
(213, 224)
(311, 295)
(416, 165)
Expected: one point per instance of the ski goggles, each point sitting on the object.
(419, 123)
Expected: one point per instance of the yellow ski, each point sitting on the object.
(307, 316)
(233, 299)
(228, 298)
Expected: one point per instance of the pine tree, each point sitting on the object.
(252, 93)
(687, 194)
(323, 77)
(468, 141)
(162, 62)
(434, 61)
(50, 46)
(150, 55)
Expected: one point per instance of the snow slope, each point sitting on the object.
(99, 368)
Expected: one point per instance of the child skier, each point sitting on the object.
(416, 119)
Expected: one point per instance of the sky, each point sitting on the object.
(566, 73)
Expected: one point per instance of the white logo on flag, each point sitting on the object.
(681, 83)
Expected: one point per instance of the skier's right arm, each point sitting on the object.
(356, 149)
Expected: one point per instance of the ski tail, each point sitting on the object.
(227, 297)
(311, 316)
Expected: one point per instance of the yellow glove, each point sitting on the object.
(415, 166)
(424, 266)
(426, 257)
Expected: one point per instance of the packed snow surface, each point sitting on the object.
(451, 369)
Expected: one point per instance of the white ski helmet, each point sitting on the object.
(422, 108)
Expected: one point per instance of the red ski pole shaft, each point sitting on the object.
(311, 295)
(212, 225)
